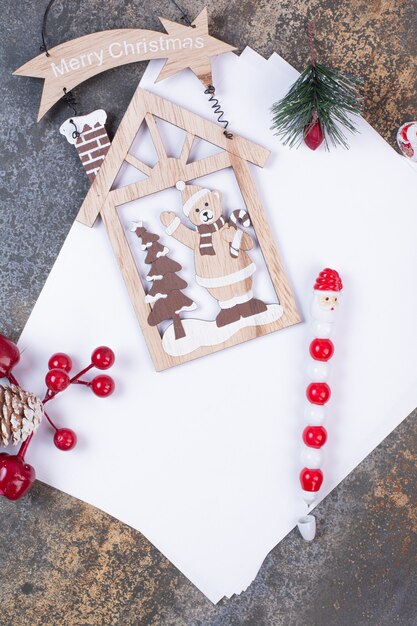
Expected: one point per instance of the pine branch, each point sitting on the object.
(323, 93)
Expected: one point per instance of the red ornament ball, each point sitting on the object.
(103, 358)
(61, 361)
(65, 439)
(318, 393)
(16, 476)
(311, 479)
(57, 380)
(103, 385)
(315, 436)
(9, 356)
(321, 349)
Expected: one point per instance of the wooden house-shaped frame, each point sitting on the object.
(103, 199)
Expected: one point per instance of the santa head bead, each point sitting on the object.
(325, 303)
(407, 140)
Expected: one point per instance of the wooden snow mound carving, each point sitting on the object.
(203, 333)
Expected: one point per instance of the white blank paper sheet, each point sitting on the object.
(210, 467)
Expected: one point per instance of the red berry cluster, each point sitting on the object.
(58, 379)
(17, 476)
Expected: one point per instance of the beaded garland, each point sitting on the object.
(325, 302)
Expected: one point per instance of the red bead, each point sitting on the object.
(9, 356)
(318, 393)
(321, 349)
(311, 479)
(315, 436)
(313, 135)
(103, 357)
(57, 380)
(65, 439)
(61, 361)
(102, 385)
(16, 476)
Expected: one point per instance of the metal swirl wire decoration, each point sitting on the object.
(218, 111)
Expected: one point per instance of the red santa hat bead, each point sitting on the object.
(328, 280)
(191, 194)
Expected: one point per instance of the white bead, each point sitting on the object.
(318, 371)
(314, 414)
(322, 330)
(309, 496)
(311, 457)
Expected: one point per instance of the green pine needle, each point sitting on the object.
(329, 93)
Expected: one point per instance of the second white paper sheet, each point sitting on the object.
(206, 470)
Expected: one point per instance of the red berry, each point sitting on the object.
(65, 439)
(16, 476)
(311, 479)
(9, 356)
(102, 385)
(321, 349)
(57, 380)
(61, 361)
(318, 393)
(315, 436)
(103, 358)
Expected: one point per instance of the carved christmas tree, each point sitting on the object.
(165, 295)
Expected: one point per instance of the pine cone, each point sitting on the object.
(20, 414)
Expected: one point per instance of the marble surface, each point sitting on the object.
(64, 562)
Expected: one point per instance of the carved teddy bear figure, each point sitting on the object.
(222, 264)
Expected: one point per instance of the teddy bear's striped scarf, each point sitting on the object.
(206, 236)
(206, 233)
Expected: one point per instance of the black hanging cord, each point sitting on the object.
(68, 96)
(184, 16)
(71, 102)
(44, 47)
(211, 91)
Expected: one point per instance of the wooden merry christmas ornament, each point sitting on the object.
(220, 240)
(71, 63)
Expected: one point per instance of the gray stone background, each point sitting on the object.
(64, 563)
